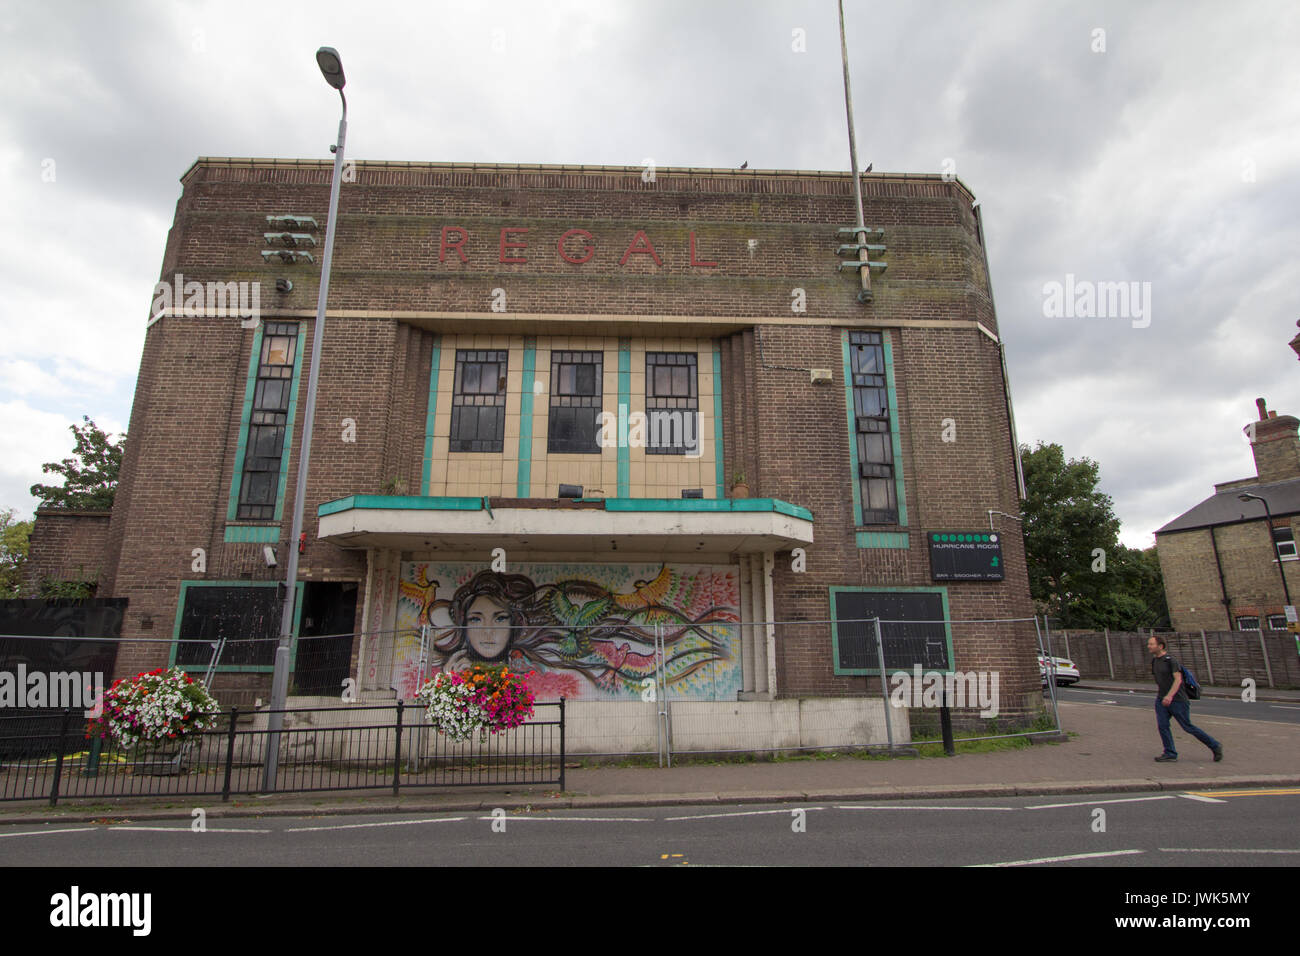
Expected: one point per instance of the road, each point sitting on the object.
(1283, 713)
(1206, 828)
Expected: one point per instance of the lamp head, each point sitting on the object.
(331, 66)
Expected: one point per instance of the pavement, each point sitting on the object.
(1109, 749)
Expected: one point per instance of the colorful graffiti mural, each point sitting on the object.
(587, 631)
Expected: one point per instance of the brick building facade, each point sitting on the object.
(495, 332)
(1224, 566)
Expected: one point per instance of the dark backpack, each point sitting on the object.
(1190, 685)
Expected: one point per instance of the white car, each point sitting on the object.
(1066, 672)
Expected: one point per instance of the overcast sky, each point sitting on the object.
(1115, 142)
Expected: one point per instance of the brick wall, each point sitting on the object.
(67, 546)
(1250, 574)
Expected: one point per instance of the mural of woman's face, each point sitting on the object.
(487, 627)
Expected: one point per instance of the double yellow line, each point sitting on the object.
(1275, 792)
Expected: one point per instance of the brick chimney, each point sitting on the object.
(1275, 444)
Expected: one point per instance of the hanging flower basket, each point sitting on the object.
(478, 700)
(158, 709)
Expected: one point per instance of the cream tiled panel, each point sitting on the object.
(442, 413)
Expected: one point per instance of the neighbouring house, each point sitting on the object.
(1229, 563)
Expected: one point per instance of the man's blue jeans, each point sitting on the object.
(1181, 713)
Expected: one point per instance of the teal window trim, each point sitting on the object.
(523, 480)
(895, 434)
(414, 503)
(252, 533)
(721, 491)
(875, 671)
(434, 361)
(864, 538)
(237, 668)
(624, 409)
(852, 424)
(237, 476)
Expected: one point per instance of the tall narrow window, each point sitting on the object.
(672, 402)
(1284, 541)
(871, 429)
(267, 422)
(478, 402)
(576, 385)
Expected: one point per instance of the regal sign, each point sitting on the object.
(574, 246)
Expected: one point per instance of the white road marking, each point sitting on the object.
(1183, 849)
(923, 808)
(1093, 803)
(43, 832)
(740, 813)
(358, 826)
(1062, 859)
(1197, 796)
(579, 819)
(1283, 707)
(185, 829)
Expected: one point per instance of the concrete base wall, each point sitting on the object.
(755, 725)
(601, 727)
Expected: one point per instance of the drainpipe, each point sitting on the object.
(1223, 588)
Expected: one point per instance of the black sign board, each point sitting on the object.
(965, 555)
(912, 629)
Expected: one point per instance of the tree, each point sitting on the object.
(14, 539)
(1136, 596)
(90, 476)
(1071, 533)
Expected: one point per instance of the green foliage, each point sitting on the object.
(1136, 597)
(14, 541)
(53, 588)
(89, 476)
(1066, 520)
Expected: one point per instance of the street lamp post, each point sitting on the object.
(327, 58)
(1268, 515)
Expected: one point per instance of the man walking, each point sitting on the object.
(1171, 701)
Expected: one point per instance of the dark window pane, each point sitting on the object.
(874, 440)
(264, 445)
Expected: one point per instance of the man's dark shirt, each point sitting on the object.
(1163, 670)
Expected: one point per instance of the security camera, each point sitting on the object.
(268, 553)
(283, 285)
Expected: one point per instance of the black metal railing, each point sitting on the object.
(349, 747)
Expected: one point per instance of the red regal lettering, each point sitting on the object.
(505, 233)
(444, 245)
(587, 247)
(694, 262)
(647, 250)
